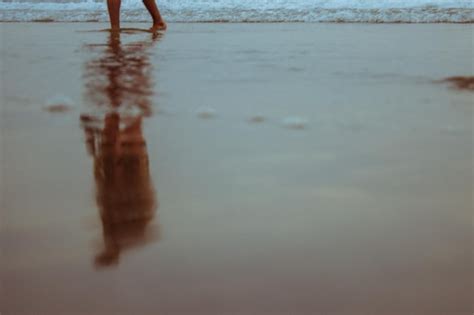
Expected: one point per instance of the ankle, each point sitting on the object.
(158, 20)
(159, 25)
(115, 27)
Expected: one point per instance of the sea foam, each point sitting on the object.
(206, 112)
(59, 104)
(295, 122)
(368, 11)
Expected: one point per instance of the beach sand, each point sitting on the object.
(236, 169)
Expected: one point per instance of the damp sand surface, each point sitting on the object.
(236, 168)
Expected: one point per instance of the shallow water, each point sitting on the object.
(156, 192)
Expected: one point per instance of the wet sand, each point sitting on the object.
(236, 169)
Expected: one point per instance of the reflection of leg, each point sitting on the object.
(114, 13)
(158, 23)
(111, 130)
(90, 141)
(111, 253)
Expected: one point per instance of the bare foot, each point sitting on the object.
(159, 26)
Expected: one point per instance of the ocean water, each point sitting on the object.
(349, 11)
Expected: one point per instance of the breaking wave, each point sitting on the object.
(349, 11)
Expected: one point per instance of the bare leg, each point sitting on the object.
(114, 13)
(158, 22)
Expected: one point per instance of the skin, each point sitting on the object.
(114, 13)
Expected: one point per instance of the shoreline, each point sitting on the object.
(248, 22)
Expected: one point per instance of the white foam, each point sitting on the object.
(256, 119)
(206, 112)
(295, 122)
(59, 103)
(379, 11)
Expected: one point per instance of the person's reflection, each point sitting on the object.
(119, 86)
